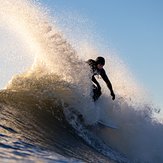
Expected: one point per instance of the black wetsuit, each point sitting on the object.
(96, 86)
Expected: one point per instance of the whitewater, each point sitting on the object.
(48, 85)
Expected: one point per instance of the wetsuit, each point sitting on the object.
(96, 86)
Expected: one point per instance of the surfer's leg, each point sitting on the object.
(96, 93)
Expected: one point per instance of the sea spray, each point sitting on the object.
(54, 56)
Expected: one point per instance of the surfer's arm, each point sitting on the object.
(108, 83)
(96, 82)
(91, 63)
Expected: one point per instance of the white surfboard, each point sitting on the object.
(107, 124)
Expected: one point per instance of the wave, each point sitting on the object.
(58, 83)
(44, 117)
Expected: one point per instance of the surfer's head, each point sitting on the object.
(100, 62)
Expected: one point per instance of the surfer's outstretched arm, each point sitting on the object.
(108, 83)
(111, 89)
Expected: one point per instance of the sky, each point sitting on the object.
(133, 28)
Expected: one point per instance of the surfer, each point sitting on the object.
(97, 69)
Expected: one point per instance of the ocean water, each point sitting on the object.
(47, 84)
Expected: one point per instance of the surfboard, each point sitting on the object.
(107, 124)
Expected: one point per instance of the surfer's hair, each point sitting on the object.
(100, 60)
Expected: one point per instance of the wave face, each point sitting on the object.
(39, 107)
(30, 133)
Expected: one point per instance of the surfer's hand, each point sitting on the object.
(113, 95)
